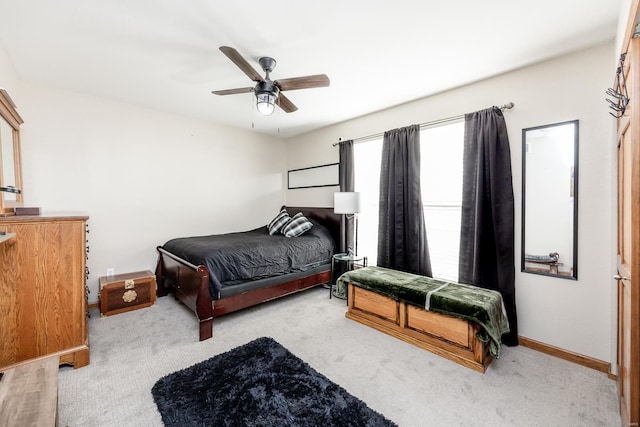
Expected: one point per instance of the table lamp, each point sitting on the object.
(348, 203)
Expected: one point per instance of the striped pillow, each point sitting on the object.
(276, 225)
(297, 226)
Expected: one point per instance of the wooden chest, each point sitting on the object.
(126, 292)
(450, 337)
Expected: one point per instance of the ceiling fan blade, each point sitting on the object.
(286, 105)
(237, 59)
(307, 82)
(232, 91)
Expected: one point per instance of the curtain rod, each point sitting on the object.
(506, 106)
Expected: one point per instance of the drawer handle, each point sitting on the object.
(129, 296)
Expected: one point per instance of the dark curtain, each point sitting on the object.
(487, 229)
(347, 183)
(402, 236)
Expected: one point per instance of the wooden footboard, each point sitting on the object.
(446, 336)
(190, 284)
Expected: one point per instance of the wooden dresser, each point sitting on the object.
(42, 289)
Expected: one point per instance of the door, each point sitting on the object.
(628, 248)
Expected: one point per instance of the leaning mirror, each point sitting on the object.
(550, 200)
(10, 162)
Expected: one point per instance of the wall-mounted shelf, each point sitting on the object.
(7, 237)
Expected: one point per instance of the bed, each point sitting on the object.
(462, 323)
(219, 274)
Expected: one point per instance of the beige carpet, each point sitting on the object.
(131, 351)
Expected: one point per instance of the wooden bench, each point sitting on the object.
(446, 336)
(29, 394)
(462, 323)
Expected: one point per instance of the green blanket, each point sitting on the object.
(481, 306)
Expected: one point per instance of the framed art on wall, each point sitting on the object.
(314, 176)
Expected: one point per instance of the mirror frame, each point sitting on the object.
(574, 188)
(10, 115)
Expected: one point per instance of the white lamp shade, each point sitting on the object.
(346, 202)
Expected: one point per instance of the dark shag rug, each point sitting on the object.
(258, 384)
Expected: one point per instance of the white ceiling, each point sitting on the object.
(164, 54)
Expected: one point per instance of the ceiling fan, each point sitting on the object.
(269, 92)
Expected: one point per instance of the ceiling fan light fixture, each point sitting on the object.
(266, 96)
(266, 103)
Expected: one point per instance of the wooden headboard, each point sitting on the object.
(331, 220)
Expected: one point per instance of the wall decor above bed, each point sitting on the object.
(314, 176)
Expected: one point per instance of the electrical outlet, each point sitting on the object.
(111, 271)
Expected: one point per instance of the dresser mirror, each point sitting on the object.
(550, 200)
(10, 164)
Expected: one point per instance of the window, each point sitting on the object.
(441, 182)
(441, 151)
(367, 159)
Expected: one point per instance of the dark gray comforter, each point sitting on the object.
(254, 254)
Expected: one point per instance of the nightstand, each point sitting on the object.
(350, 260)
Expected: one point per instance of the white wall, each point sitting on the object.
(143, 176)
(573, 315)
(8, 77)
